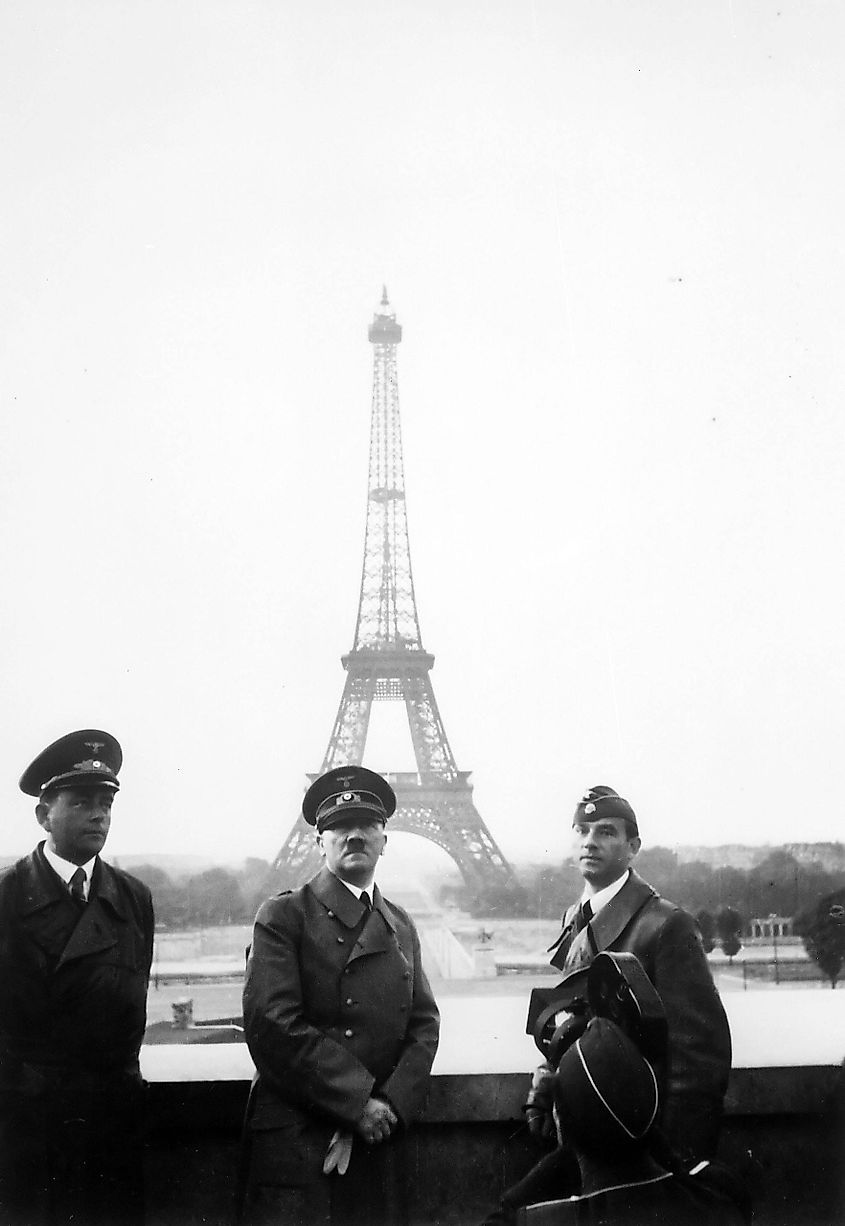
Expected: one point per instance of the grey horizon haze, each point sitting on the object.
(613, 235)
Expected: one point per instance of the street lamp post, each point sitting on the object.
(775, 946)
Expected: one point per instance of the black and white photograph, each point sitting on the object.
(422, 441)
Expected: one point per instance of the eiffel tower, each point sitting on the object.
(388, 663)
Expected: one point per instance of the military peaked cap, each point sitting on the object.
(86, 758)
(345, 790)
(607, 1093)
(601, 801)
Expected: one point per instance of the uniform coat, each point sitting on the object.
(72, 1018)
(666, 941)
(337, 1009)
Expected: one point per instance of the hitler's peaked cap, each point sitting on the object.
(606, 1091)
(345, 790)
(602, 801)
(87, 758)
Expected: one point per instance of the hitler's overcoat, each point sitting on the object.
(72, 1017)
(337, 1008)
(666, 941)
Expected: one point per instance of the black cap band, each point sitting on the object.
(351, 802)
(346, 790)
(87, 758)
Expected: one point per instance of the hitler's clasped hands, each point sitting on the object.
(377, 1122)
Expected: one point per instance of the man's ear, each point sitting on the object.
(318, 838)
(636, 844)
(42, 814)
(384, 844)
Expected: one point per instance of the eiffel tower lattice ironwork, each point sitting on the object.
(389, 663)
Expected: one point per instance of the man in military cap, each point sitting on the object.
(341, 1023)
(76, 939)
(620, 912)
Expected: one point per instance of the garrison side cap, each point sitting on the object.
(344, 790)
(602, 801)
(87, 758)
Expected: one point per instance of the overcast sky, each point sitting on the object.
(613, 235)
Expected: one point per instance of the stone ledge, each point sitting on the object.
(473, 1098)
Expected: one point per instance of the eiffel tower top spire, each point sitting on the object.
(384, 330)
(387, 608)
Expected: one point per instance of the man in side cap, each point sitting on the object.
(620, 912)
(76, 939)
(341, 1023)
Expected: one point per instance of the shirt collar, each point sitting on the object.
(357, 890)
(65, 869)
(602, 897)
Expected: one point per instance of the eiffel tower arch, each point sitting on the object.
(388, 663)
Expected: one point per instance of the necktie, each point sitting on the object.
(77, 883)
(365, 900)
(585, 914)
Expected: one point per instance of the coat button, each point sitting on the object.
(350, 1001)
(341, 941)
(348, 1033)
(406, 975)
(330, 914)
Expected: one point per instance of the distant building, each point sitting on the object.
(771, 928)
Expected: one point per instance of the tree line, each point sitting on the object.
(216, 897)
(778, 885)
(723, 899)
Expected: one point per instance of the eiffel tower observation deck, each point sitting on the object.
(388, 663)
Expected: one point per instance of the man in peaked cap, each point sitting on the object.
(76, 939)
(341, 1023)
(620, 912)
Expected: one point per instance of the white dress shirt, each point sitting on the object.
(602, 897)
(358, 890)
(65, 869)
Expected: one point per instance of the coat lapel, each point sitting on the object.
(335, 897)
(560, 946)
(377, 934)
(580, 952)
(602, 931)
(96, 929)
(39, 886)
(47, 912)
(616, 916)
(53, 919)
